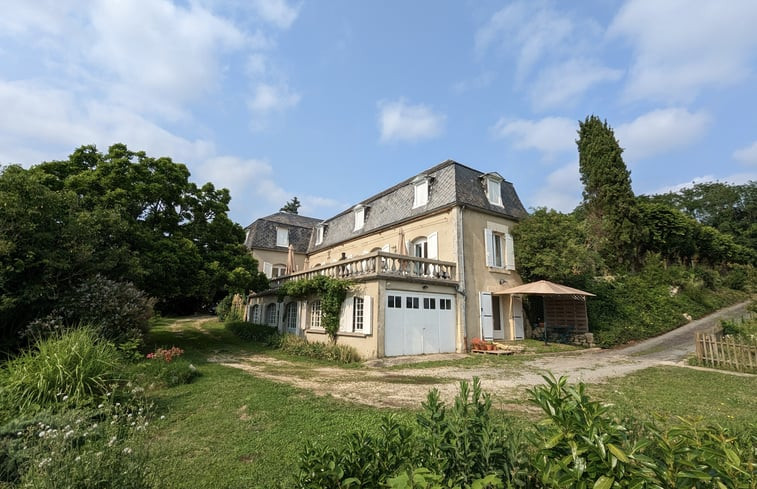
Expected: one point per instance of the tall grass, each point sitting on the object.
(73, 368)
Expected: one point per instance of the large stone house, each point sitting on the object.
(424, 255)
(269, 238)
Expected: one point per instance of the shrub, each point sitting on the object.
(295, 345)
(169, 374)
(261, 333)
(117, 310)
(71, 368)
(101, 448)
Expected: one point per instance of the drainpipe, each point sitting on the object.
(461, 277)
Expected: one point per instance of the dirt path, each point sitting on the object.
(407, 387)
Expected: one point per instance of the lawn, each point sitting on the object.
(229, 429)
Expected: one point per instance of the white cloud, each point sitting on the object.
(561, 190)
(400, 121)
(681, 48)
(549, 135)
(564, 83)
(267, 98)
(748, 155)
(659, 131)
(277, 12)
(160, 53)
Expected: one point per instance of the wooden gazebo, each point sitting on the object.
(564, 307)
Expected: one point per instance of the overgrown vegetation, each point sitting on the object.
(743, 330)
(331, 291)
(650, 261)
(120, 214)
(292, 344)
(578, 443)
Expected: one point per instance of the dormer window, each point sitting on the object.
(319, 233)
(420, 191)
(282, 237)
(492, 186)
(359, 211)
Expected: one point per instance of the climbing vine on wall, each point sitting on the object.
(331, 291)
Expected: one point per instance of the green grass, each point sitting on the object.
(231, 429)
(721, 398)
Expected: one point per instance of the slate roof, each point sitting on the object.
(451, 184)
(262, 232)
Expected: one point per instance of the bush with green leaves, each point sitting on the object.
(261, 333)
(296, 345)
(73, 368)
(117, 310)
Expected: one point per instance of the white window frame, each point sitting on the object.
(272, 307)
(494, 190)
(278, 270)
(282, 237)
(255, 313)
(319, 234)
(499, 248)
(359, 218)
(290, 312)
(358, 314)
(420, 193)
(316, 314)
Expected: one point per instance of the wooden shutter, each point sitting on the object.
(367, 314)
(488, 238)
(509, 252)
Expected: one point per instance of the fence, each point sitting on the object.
(723, 352)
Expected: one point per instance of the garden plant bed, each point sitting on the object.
(494, 352)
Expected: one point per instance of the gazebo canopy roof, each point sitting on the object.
(542, 287)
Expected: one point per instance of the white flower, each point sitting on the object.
(162, 417)
(65, 398)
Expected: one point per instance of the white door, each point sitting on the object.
(418, 323)
(518, 317)
(487, 320)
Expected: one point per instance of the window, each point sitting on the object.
(420, 248)
(412, 303)
(315, 314)
(270, 315)
(357, 314)
(429, 303)
(255, 314)
(445, 304)
(282, 237)
(493, 192)
(290, 316)
(420, 193)
(278, 270)
(395, 302)
(319, 234)
(499, 248)
(359, 217)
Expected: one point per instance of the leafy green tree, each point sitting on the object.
(551, 245)
(608, 199)
(292, 206)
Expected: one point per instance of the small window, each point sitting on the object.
(319, 234)
(420, 193)
(278, 270)
(395, 302)
(445, 304)
(315, 314)
(412, 303)
(358, 308)
(282, 237)
(359, 218)
(255, 314)
(429, 303)
(493, 192)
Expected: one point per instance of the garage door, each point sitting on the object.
(417, 323)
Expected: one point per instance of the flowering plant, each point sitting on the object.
(165, 354)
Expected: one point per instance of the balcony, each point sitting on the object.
(380, 265)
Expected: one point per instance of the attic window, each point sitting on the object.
(282, 237)
(359, 212)
(319, 232)
(420, 191)
(493, 188)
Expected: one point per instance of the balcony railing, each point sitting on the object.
(380, 264)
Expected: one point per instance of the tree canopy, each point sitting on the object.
(292, 206)
(123, 215)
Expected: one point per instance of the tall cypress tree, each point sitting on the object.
(608, 199)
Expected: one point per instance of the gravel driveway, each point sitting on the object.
(407, 387)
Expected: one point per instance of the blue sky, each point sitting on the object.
(333, 101)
